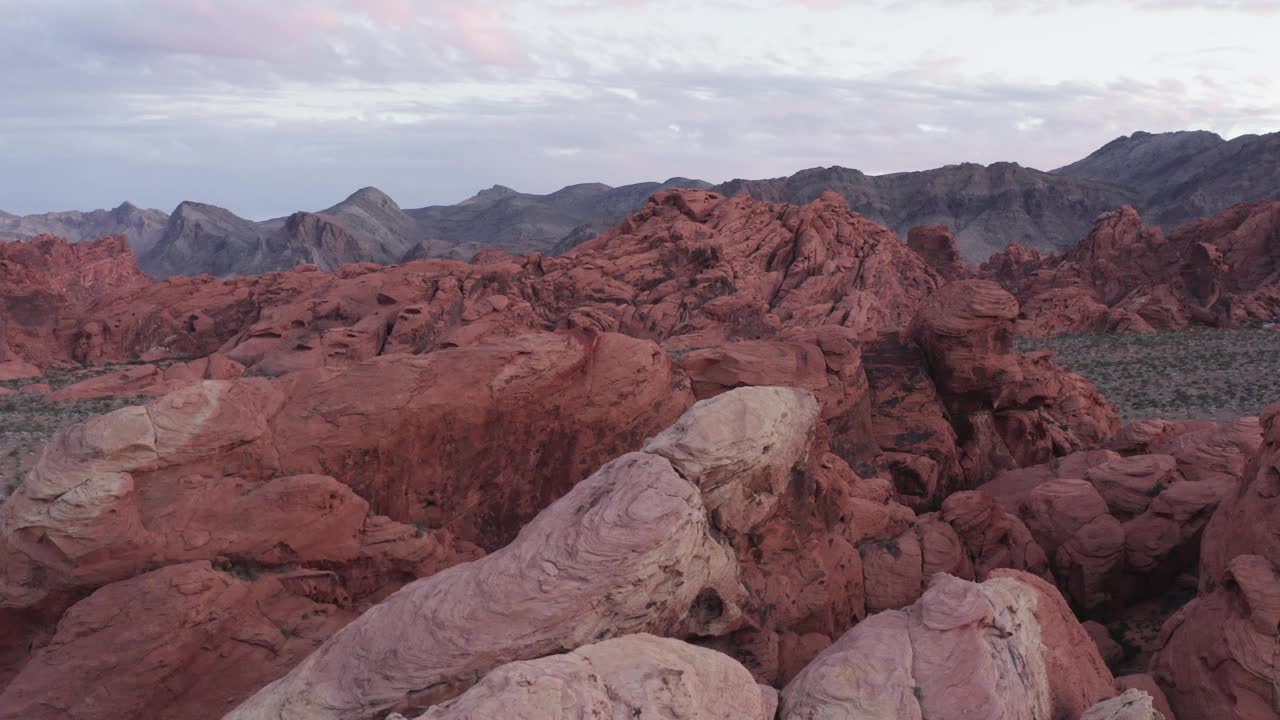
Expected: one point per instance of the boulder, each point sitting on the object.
(1245, 522)
(937, 245)
(1213, 451)
(1038, 661)
(1056, 510)
(1132, 704)
(894, 570)
(630, 676)
(740, 449)
(1216, 657)
(826, 361)
(993, 537)
(1090, 565)
(627, 550)
(1129, 484)
(966, 332)
(1147, 684)
(179, 642)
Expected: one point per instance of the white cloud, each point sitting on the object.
(269, 107)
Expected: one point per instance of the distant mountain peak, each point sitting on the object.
(367, 196)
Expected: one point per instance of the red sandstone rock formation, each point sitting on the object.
(1250, 513)
(47, 283)
(616, 678)
(160, 644)
(243, 472)
(1009, 410)
(937, 245)
(1121, 529)
(1129, 278)
(689, 263)
(1216, 657)
(149, 380)
(1024, 655)
(358, 467)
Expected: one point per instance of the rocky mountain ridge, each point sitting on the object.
(1171, 178)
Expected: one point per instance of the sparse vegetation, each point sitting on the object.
(1201, 374)
(28, 421)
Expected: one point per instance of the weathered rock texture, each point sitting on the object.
(302, 471)
(1122, 529)
(1130, 705)
(1217, 657)
(1250, 514)
(689, 262)
(1025, 656)
(1129, 278)
(627, 550)
(186, 638)
(48, 283)
(1008, 410)
(628, 677)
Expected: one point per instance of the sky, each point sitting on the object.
(270, 107)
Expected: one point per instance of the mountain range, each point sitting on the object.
(1170, 178)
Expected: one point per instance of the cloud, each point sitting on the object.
(270, 107)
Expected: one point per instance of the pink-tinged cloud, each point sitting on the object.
(388, 12)
(482, 34)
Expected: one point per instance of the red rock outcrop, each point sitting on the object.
(182, 637)
(1120, 529)
(235, 471)
(909, 421)
(1125, 277)
(826, 361)
(48, 282)
(1038, 662)
(1009, 410)
(393, 424)
(1245, 523)
(638, 532)
(937, 245)
(101, 493)
(689, 262)
(148, 380)
(1216, 657)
